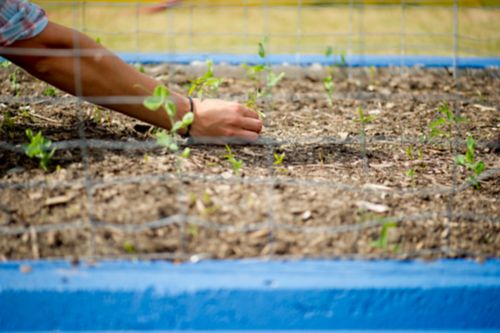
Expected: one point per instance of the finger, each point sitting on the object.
(245, 135)
(251, 124)
(249, 113)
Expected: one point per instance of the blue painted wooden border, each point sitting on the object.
(251, 295)
(305, 60)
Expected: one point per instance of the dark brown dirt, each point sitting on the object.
(330, 197)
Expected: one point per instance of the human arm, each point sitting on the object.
(100, 73)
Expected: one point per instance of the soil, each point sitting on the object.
(336, 193)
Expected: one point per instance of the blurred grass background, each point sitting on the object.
(421, 27)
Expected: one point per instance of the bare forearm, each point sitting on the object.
(102, 74)
(97, 73)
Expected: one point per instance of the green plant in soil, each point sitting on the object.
(329, 52)
(205, 85)
(7, 124)
(328, 80)
(129, 247)
(14, 83)
(278, 161)
(363, 120)
(49, 91)
(469, 162)
(140, 67)
(39, 147)
(329, 88)
(233, 161)
(382, 242)
(256, 72)
(161, 99)
(443, 125)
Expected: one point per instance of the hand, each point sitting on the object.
(216, 119)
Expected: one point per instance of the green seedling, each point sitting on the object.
(233, 161)
(328, 85)
(363, 119)
(5, 64)
(192, 230)
(443, 126)
(278, 161)
(207, 84)
(8, 123)
(140, 67)
(329, 52)
(382, 241)
(255, 73)
(165, 139)
(273, 79)
(251, 103)
(49, 91)
(186, 152)
(129, 247)
(14, 83)
(39, 147)
(161, 98)
(410, 173)
(469, 162)
(278, 158)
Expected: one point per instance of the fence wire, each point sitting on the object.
(355, 40)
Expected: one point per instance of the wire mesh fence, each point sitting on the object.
(349, 184)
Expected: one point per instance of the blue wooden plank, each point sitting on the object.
(251, 294)
(306, 60)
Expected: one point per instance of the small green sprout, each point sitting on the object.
(49, 91)
(262, 47)
(186, 152)
(253, 72)
(161, 98)
(96, 115)
(235, 163)
(447, 120)
(278, 161)
(363, 119)
(278, 158)
(206, 84)
(40, 148)
(129, 247)
(328, 85)
(192, 230)
(383, 239)
(5, 64)
(140, 67)
(165, 139)
(273, 79)
(8, 122)
(329, 52)
(469, 162)
(410, 173)
(14, 83)
(251, 103)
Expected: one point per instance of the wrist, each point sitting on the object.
(182, 107)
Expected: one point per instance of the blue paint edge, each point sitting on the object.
(306, 60)
(244, 295)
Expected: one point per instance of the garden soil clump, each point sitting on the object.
(382, 188)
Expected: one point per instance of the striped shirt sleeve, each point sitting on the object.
(20, 19)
